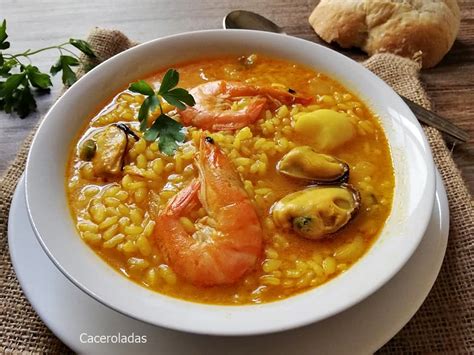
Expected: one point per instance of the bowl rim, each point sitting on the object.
(276, 327)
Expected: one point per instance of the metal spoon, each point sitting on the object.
(247, 20)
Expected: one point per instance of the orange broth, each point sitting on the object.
(289, 264)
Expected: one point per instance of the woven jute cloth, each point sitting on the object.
(444, 324)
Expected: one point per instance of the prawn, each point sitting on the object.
(213, 109)
(227, 242)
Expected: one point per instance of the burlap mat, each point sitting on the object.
(443, 324)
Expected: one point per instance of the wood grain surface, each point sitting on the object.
(34, 24)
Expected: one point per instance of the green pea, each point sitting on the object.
(88, 149)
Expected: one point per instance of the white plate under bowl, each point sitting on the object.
(54, 227)
(362, 329)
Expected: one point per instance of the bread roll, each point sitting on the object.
(403, 27)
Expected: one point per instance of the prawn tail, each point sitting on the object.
(286, 98)
(188, 115)
(185, 201)
(304, 100)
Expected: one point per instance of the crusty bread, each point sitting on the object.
(403, 27)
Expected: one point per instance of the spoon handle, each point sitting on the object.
(432, 119)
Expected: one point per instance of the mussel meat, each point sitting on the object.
(305, 163)
(111, 145)
(317, 211)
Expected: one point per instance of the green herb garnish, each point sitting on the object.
(168, 131)
(20, 76)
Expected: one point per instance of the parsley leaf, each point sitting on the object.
(64, 64)
(69, 77)
(56, 68)
(38, 79)
(149, 105)
(11, 84)
(15, 95)
(169, 131)
(24, 101)
(16, 92)
(3, 36)
(142, 87)
(7, 66)
(170, 80)
(69, 61)
(179, 97)
(83, 46)
(143, 114)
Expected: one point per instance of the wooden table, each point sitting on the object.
(34, 24)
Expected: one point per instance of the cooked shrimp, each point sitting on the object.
(228, 241)
(213, 109)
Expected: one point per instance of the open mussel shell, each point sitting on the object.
(304, 163)
(317, 212)
(106, 149)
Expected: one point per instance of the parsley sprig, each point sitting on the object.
(20, 76)
(169, 131)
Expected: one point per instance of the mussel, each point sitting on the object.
(106, 149)
(317, 211)
(305, 163)
(111, 145)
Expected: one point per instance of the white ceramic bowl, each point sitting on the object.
(52, 222)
